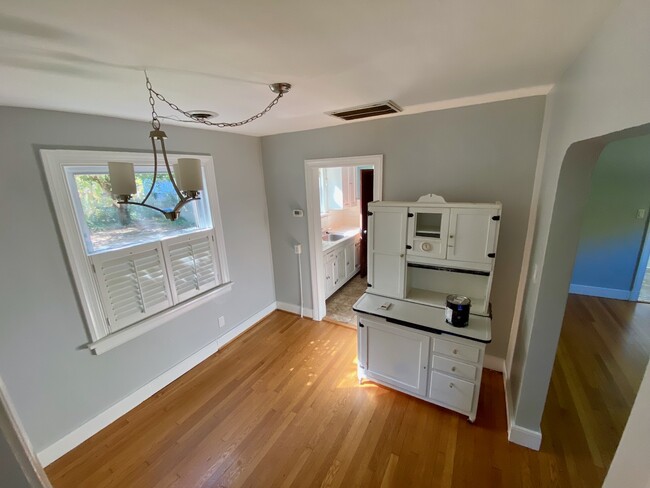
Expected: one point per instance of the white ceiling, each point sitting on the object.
(86, 55)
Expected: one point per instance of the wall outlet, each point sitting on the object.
(640, 214)
(222, 321)
(297, 248)
(297, 212)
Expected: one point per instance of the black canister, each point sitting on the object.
(457, 311)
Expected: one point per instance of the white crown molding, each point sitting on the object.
(530, 91)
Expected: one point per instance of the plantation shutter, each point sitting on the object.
(133, 284)
(193, 264)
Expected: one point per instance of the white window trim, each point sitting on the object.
(54, 163)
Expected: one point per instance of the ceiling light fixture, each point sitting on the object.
(189, 178)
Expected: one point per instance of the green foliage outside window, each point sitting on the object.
(112, 225)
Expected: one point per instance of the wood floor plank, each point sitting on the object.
(281, 406)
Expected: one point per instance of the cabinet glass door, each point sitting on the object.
(427, 234)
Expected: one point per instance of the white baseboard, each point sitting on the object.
(531, 439)
(245, 325)
(110, 415)
(494, 363)
(290, 307)
(596, 291)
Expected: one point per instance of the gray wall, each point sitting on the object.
(612, 236)
(56, 384)
(482, 153)
(605, 90)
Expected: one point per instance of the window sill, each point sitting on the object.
(120, 337)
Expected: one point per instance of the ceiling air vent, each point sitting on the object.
(365, 111)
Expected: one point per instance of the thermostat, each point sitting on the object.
(297, 212)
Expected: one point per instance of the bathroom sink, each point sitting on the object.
(333, 237)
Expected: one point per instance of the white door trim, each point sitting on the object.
(14, 433)
(313, 216)
(644, 260)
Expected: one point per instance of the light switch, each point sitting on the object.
(640, 214)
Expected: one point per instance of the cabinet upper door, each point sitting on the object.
(386, 250)
(472, 234)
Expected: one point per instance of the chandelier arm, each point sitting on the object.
(169, 171)
(155, 170)
(184, 202)
(142, 204)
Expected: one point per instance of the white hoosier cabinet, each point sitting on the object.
(418, 254)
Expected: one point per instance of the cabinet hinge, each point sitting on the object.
(361, 325)
(369, 285)
(92, 266)
(108, 322)
(409, 247)
(411, 214)
(491, 255)
(496, 217)
(370, 214)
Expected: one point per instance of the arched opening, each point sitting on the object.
(574, 184)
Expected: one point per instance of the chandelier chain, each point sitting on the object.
(155, 122)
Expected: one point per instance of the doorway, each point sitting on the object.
(612, 256)
(601, 345)
(337, 189)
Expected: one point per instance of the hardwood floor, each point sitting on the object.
(602, 355)
(281, 406)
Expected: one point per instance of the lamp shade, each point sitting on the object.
(122, 177)
(190, 174)
(177, 175)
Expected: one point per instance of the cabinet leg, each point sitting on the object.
(471, 419)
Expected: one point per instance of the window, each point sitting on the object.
(134, 269)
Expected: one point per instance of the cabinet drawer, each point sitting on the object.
(456, 350)
(457, 368)
(451, 391)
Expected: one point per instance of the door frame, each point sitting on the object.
(313, 216)
(644, 259)
(14, 433)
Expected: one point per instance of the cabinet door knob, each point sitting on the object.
(451, 237)
(401, 255)
(453, 368)
(455, 351)
(451, 385)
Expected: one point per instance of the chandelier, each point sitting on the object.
(186, 177)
